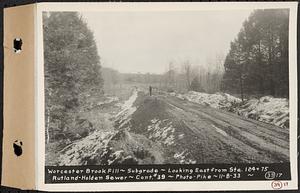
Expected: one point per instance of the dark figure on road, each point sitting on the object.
(150, 90)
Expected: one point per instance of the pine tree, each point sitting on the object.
(72, 68)
(258, 57)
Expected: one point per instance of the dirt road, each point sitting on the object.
(163, 129)
(201, 134)
(226, 137)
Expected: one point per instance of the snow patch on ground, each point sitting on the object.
(181, 136)
(162, 133)
(117, 155)
(181, 157)
(220, 131)
(217, 100)
(123, 117)
(108, 100)
(266, 109)
(88, 147)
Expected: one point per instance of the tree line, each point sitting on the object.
(186, 76)
(257, 63)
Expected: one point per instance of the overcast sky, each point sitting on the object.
(148, 41)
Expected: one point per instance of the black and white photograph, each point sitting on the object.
(158, 93)
(166, 87)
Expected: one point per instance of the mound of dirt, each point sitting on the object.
(149, 108)
(153, 123)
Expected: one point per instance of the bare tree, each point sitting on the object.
(171, 75)
(187, 72)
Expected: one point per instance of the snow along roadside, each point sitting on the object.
(123, 117)
(266, 109)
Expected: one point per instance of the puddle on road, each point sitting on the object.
(220, 131)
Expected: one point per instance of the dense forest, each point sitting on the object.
(72, 72)
(257, 63)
